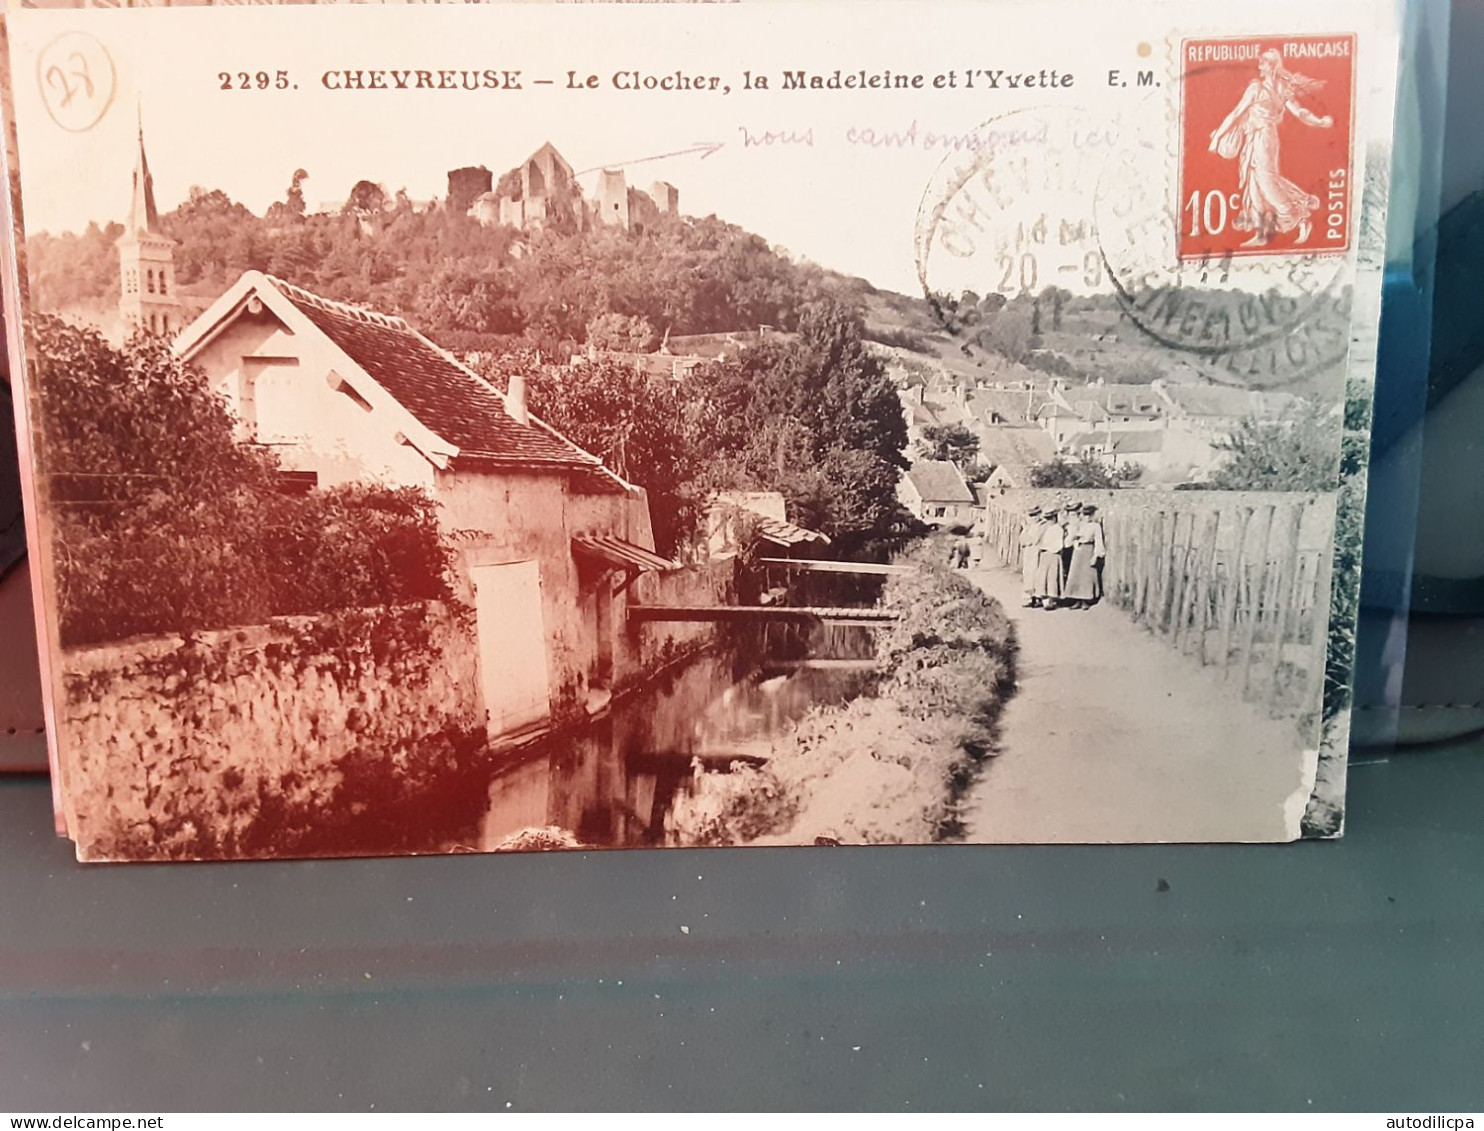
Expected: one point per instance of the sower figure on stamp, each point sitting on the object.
(1030, 538)
(1048, 557)
(1085, 534)
(1270, 201)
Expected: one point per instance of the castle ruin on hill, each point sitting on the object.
(543, 189)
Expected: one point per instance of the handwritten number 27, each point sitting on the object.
(77, 79)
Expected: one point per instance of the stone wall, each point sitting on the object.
(302, 736)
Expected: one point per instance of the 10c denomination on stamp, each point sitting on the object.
(1265, 146)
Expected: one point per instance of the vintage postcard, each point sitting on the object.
(503, 427)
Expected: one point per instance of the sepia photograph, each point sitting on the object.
(686, 428)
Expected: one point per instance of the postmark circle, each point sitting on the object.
(1059, 196)
(77, 80)
(1013, 213)
(1266, 321)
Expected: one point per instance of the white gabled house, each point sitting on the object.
(936, 492)
(343, 394)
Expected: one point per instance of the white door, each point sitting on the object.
(512, 644)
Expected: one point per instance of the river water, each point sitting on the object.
(612, 782)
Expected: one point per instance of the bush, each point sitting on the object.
(1085, 472)
(163, 523)
(899, 337)
(353, 546)
(885, 767)
(951, 651)
(160, 566)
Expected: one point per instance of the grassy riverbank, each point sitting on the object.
(889, 766)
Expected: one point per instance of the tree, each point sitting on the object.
(1010, 332)
(367, 198)
(70, 270)
(163, 523)
(217, 239)
(641, 427)
(292, 207)
(850, 493)
(951, 442)
(1299, 453)
(120, 423)
(295, 199)
(1085, 472)
(1055, 299)
(814, 418)
(623, 332)
(459, 279)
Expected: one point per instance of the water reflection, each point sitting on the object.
(612, 782)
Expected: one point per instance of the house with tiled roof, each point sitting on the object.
(1011, 453)
(1013, 407)
(1161, 454)
(1217, 409)
(341, 394)
(1120, 405)
(732, 515)
(935, 491)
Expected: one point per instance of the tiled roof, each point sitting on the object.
(1013, 407)
(769, 509)
(939, 481)
(619, 552)
(1214, 400)
(1144, 440)
(944, 408)
(1015, 447)
(1131, 442)
(788, 534)
(1118, 400)
(442, 394)
(1079, 440)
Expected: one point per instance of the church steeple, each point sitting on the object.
(143, 216)
(147, 297)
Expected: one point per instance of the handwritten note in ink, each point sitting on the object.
(77, 80)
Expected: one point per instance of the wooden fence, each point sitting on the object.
(1238, 581)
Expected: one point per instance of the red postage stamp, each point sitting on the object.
(1265, 146)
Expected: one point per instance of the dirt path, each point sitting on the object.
(1112, 735)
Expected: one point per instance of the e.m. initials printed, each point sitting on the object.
(1265, 149)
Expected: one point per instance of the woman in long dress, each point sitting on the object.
(1099, 550)
(1086, 537)
(1030, 537)
(1049, 548)
(1270, 201)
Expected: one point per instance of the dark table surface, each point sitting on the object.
(1344, 975)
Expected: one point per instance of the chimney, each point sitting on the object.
(515, 399)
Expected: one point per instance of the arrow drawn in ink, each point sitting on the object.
(704, 148)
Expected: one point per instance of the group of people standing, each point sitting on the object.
(1061, 556)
